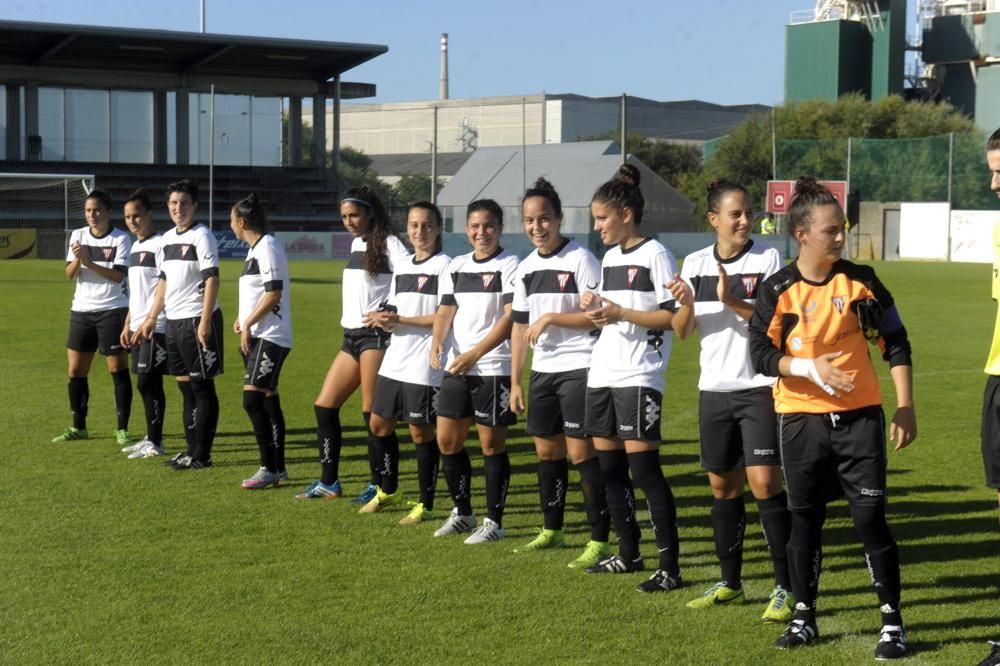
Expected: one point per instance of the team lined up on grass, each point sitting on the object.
(441, 343)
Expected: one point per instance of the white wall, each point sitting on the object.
(923, 231)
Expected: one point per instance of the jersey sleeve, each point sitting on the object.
(588, 273)
(774, 263)
(763, 354)
(446, 285)
(662, 271)
(272, 272)
(508, 275)
(398, 254)
(123, 251)
(208, 255)
(521, 308)
(893, 340)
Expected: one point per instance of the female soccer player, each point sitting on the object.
(97, 260)
(149, 357)
(547, 317)
(407, 386)
(810, 328)
(376, 251)
(188, 293)
(716, 291)
(634, 310)
(471, 343)
(264, 324)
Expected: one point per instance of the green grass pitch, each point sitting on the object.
(108, 560)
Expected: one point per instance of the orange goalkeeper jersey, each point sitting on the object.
(795, 317)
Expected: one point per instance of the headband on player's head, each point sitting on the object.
(355, 200)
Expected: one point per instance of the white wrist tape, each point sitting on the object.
(806, 368)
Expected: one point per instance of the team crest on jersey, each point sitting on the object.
(487, 280)
(184, 250)
(632, 272)
(107, 253)
(421, 281)
(563, 279)
(749, 284)
(142, 257)
(838, 302)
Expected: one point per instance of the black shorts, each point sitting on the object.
(737, 429)
(824, 454)
(557, 403)
(991, 431)
(486, 399)
(150, 357)
(631, 412)
(357, 340)
(97, 331)
(262, 366)
(185, 356)
(402, 401)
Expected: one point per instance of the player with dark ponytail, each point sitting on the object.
(375, 252)
(716, 290)
(547, 318)
(633, 310)
(264, 325)
(811, 326)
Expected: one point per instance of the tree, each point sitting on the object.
(415, 187)
(813, 138)
(668, 160)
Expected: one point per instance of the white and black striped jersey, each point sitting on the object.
(362, 292)
(187, 259)
(95, 293)
(627, 354)
(265, 270)
(554, 283)
(725, 352)
(143, 276)
(480, 288)
(416, 292)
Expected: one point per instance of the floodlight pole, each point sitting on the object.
(202, 16)
(434, 154)
(211, 157)
(524, 157)
(774, 147)
(624, 127)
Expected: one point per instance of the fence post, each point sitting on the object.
(951, 153)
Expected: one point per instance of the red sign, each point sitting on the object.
(780, 193)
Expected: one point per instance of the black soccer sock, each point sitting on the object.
(882, 557)
(729, 521)
(154, 401)
(427, 471)
(272, 405)
(253, 403)
(621, 501)
(189, 415)
(776, 523)
(553, 476)
(79, 398)
(373, 461)
(123, 397)
(458, 474)
(328, 439)
(595, 499)
(496, 469)
(387, 454)
(648, 475)
(805, 559)
(206, 421)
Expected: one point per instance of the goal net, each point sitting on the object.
(39, 210)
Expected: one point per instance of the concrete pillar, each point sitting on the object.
(182, 113)
(159, 127)
(319, 131)
(34, 139)
(295, 131)
(13, 114)
(336, 135)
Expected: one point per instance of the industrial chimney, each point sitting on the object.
(443, 91)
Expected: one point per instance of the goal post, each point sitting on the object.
(38, 212)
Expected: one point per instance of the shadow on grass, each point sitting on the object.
(302, 280)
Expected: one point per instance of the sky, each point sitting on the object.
(722, 51)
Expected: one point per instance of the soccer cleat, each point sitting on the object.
(187, 462)
(797, 634)
(660, 581)
(616, 564)
(780, 607)
(718, 595)
(545, 539)
(121, 436)
(132, 448)
(261, 479)
(366, 495)
(418, 514)
(70, 434)
(169, 462)
(318, 489)
(380, 501)
(201, 464)
(283, 475)
(592, 554)
(891, 643)
(182, 462)
(485, 533)
(456, 523)
(147, 450)
(993, 658)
